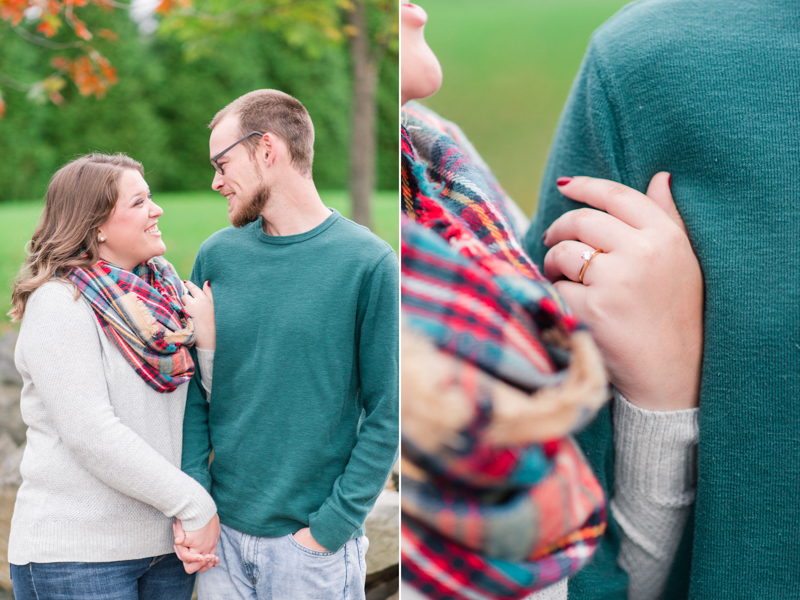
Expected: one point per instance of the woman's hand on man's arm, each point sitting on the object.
(642, 297)
(199, 303)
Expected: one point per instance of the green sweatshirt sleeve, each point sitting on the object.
(589, 141)
(355, 491)
(196, 437)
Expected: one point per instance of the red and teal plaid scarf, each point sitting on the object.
(497, 500)
(142, 314)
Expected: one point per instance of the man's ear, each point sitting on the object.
(267, 148)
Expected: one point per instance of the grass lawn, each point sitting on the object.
(189, 218)
(508, 66)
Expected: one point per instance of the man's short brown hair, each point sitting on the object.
(273, 111)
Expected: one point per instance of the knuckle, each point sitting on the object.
(615, 190)
(582, 219)
(648, 250)
(675, 238)
(558, 251)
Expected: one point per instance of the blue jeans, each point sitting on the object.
(261, 568)
(156, 578)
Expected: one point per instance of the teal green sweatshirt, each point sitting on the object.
(710, 91)
(303, 415)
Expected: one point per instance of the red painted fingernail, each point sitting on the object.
(669, 181)
(563, 181)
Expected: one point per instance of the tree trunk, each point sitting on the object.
(363, 133)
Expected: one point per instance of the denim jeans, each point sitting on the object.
(156, 578)
(261, 568)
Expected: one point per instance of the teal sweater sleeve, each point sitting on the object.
(355, 491)
(196, 439)
(588, 142)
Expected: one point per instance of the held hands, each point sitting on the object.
(642, 296)
(304, 538)
(199, 303)
(197, 549)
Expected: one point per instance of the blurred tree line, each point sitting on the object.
(159, 109)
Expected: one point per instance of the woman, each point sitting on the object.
(654, 485)
(103, 353)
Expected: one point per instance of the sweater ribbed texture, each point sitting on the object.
(100, 473)
(654, 488)
(708, 91)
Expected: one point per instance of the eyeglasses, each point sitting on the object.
(218, 167)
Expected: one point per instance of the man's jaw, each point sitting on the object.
(243, 211)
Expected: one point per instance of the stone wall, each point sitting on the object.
(12, 440)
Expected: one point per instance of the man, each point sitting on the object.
(303, 418)
(707, 91)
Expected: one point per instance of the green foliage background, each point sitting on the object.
(508, 67)
(189, 218)
(159, 110)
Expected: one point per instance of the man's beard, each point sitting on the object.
(251, 209)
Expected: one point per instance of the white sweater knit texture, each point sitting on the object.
(101, 470)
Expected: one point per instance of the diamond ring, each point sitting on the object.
(587, 258)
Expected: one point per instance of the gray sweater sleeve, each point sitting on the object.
(63, 357)
(655, 479)
(205, 360)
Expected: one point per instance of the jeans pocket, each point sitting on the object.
(362, 543)
(309, 551)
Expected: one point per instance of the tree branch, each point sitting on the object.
(14, 84)
(35, 39)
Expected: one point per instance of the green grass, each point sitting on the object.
(508, 66)
(189, 218)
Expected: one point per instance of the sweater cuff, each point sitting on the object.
(331, 529)
(197, 512)
(205, 361)
(656, 452)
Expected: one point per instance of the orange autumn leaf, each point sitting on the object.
(167, 6)
(81, 71)
(80, 29)
(109, 35)
(88, 81)
(47, 29)
(109, 72)
(13, 10)
(60, 63)
(49, 25)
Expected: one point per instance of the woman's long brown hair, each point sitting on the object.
(80, 198)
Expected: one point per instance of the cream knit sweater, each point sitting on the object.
(101, 470)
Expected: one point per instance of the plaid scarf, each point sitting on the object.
(141, 313)
(497, 502)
